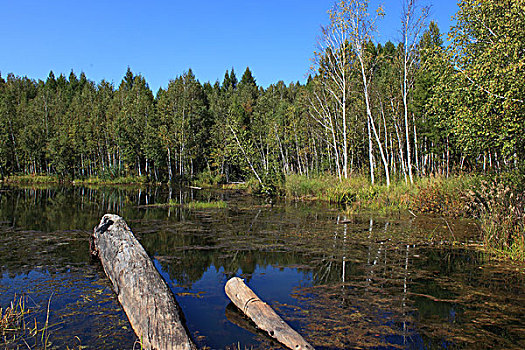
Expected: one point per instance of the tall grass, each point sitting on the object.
(95, 180)
(435, 195)
(443, 196)
(18, 331)
(500, 208)
(120, 180)
(357, 192)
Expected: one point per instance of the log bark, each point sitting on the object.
(263, 315)
(148, 302)
(235, 316)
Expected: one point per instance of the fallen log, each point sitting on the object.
(149, 304)
(263, 315)
(235, 316)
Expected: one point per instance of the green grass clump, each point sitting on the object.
(235, 186)
(32, 179)
(121, 180)
(16, 330)
(207, 205)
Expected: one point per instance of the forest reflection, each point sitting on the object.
(345, 281)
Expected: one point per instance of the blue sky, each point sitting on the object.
(161, 39)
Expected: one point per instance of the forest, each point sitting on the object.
(393, 112)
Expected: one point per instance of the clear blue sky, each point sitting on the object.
(161, 39)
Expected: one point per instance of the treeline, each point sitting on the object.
(397, 110)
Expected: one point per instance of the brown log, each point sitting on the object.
(263, 315)
(150, 305)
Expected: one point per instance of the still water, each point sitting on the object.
(344, 282)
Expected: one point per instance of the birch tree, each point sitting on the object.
(412, 26)
(333, 60)
(360, 29)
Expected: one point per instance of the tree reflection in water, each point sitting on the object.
(342, 281)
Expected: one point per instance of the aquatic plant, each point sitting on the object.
(207, 205)
(500, 208)
(17, 330)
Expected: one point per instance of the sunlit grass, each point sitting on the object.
(32, 179)
(207, 205)
(235, 186)
(17, 330)
(436, 195)
(501, 210)
(121, 180)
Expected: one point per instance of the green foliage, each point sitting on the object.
(207, 178)
(487, 46)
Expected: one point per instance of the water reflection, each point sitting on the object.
(342, 281)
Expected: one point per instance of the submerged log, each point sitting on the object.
(145, 297)
(263, 315)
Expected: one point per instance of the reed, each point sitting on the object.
(17, 330)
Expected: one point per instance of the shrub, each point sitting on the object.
(208, 179)
(500, 208)
(445, 196)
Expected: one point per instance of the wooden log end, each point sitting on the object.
(263, 315)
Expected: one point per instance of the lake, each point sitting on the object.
(343, 281)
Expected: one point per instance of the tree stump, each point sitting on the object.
(148, 302)
(263, 315)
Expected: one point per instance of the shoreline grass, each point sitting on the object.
(31, 179)
(434, 195)
(498, 205)
(16, 330)
(190, 205)
(53, 179)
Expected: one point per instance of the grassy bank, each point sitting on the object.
(496, 203)
(428, 195)
(32, 179)
(49, 179)
(122, 180)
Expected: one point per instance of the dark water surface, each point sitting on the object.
(362, 281)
